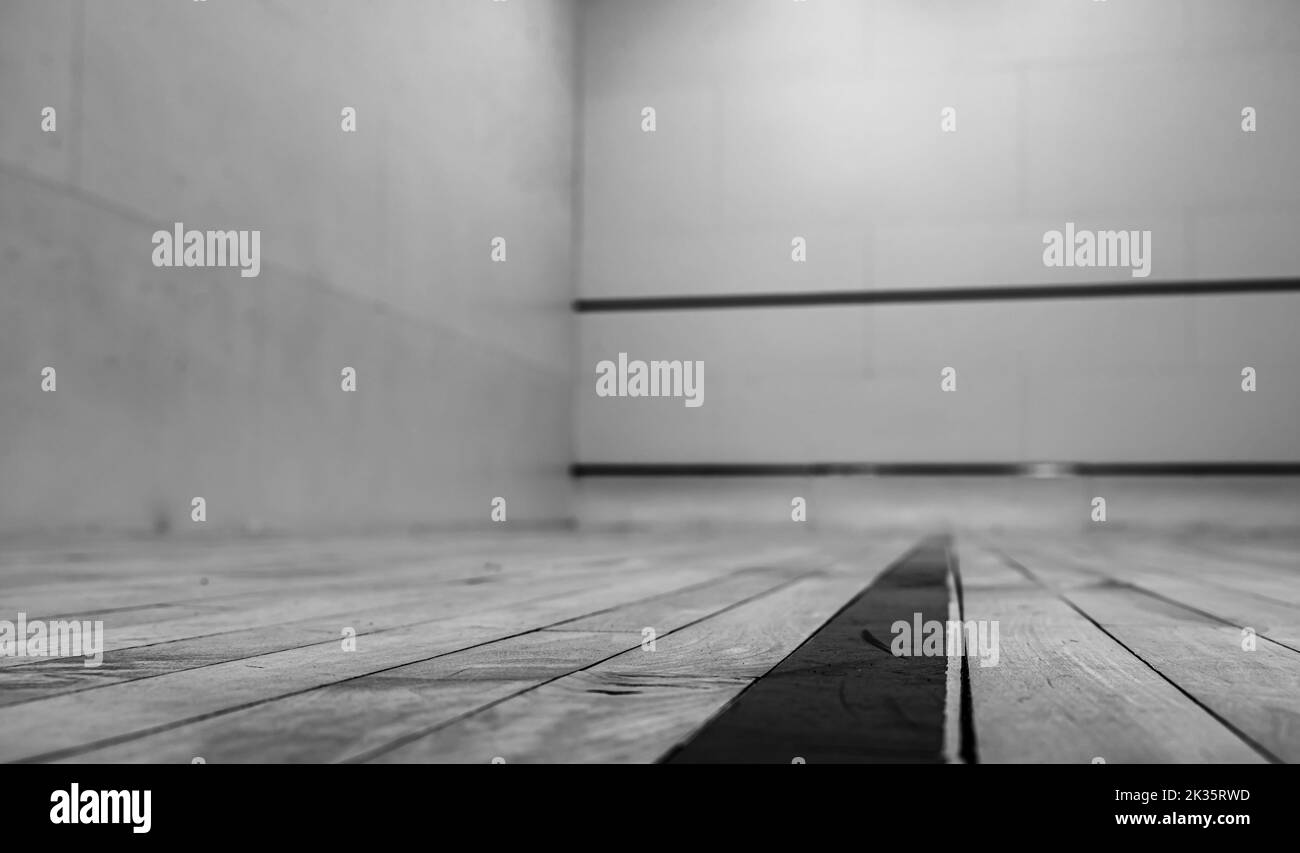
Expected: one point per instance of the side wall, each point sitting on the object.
(174, 383)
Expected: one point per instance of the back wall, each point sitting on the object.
(822, 120)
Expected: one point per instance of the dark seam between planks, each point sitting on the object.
(1097, 573)
(255, 594)
(455, 581)
(411, 738)
(181, 619)
(1198, 611)
(340, 585)
(668, 755)
(1192, 608)
(842, 695)
(66, 752)
(40, 664)
(1247, 739)
(969, 751)
(128, 651)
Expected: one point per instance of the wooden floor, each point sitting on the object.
(529, 647)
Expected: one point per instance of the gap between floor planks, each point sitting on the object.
(160, 702)
(1091, 663)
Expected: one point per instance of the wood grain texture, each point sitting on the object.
(528, 646)
(1251, 691)
(280, 626)
(637, 706)
(344, 720)
(1211, 586)
(132, 708)
(1064, 692)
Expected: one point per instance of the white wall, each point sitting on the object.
(375, 249)
(822, 119)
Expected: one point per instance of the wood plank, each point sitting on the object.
(348, 718)
(133, 708)
(538, 657)
(342, 721)
(1252, 692)
(635, 707)
(1279, 549)
(1170, 556)
(39, 679)
(1064, 692)
(1085, 565)
(162, 573)
(47, 728)
(282, 607)
(842, 696)
(248, 611)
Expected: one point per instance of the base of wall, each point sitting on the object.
(990, 503)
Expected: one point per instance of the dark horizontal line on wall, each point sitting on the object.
(1102, 290)
(937, 469)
